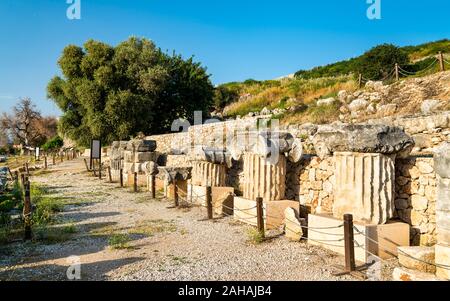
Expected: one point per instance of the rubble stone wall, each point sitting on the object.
(415, 200)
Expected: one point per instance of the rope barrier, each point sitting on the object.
(446, 267)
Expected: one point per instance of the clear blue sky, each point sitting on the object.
(235, 40)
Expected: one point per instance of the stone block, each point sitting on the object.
(263, 178)
(222, 199)
(442, 257)
(245, 210)
(293, 227)
(206, 173)
(276, 212)
(406, 257)
(404, 274)
(197, 194)
(364, 186)
(182, 189)
(387, 237)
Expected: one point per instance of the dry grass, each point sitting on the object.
(274, 96)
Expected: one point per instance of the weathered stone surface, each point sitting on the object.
(169, 174)
(442, 166)
(358, 104)
(150, 168)
(442, 160)
(442, 258)
(419, 202)
(245, 210)
(223, 200)
(404, 274)
(389, 236)
(364, 186)
(406, 257)
(293, 226)
(212, 155)
(275, 212)
(263, 178)
(326, 101)
(361, 138)
(208, 174)
(430, 106)
(139, 145)
(387, 110)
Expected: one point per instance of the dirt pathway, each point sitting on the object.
(164, 244)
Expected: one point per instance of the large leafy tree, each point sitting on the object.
(115, 92)
(379, 62)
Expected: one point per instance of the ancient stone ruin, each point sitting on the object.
(310, 176)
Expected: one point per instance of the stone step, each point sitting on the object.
(404, 274)
(406, 259)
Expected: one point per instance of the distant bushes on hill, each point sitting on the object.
(377, 62)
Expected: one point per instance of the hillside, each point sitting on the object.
(312, 95)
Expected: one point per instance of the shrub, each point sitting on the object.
(53, 144)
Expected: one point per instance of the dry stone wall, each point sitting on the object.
(415, 200)
(312, 181)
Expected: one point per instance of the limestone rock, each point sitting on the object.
(406, 257)
(265, 111)
(374, 85)
(361, 138)
(419, 202)
(264, 178)
(387, 110)
(151, 168)
(442, 160)
(212, 155)
(404, 274)
(342, 95)
(169, 174)
(442, 258)
(326, 101)
(430, 106)
(293, 226)
(358, 104)
(424, 167)
(208, 174)
(139, 145)
(364, 186)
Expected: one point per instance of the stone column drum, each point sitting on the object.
(208, 174)
(364, 186)
(442, 248)
(263, 178)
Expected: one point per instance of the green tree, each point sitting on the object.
(115, 92)
(379, 62)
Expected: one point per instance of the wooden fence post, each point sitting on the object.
(27, 170)
(16, 177)
(54, 159)
(135, 182)
(45, 162)
(153, 186)
(260, 216)
(100, 170)
(441, 61)
(397, 75)
(360, 80)
(86, 164)
(27, 211)
(175, 193)
(209, 205)
(121, 177)
(109, 174)
(350, 264)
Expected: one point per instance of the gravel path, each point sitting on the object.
(165, 244)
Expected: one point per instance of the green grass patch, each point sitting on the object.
(119, 241)
(255, 236)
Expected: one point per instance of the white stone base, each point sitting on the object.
(395, 234)
(245, 211)
(442, 254)
(404, 274)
